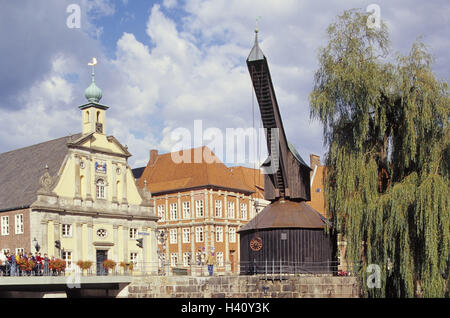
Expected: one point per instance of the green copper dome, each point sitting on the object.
(93, 93)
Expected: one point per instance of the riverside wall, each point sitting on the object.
(242, 287)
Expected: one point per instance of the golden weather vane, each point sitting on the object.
(93, 63)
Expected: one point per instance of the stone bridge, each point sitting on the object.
(63, 286)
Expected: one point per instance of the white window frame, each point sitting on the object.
(218, 208)
(173, 236)
(186, 260)
(186, 210)
(132, 233)
(67, 257)
(161, 212)
(230, 210)
(5, 224)
(173, 259)
(199, 237)
(186, 235)
(100, 189)
(5, 250)
(134, 258)
(199, 208)
(173, 211)
(198, 257)
(66, 230)
(219, 233)
(219, 258)
(18, 218)
(244, 210)
(232, 233)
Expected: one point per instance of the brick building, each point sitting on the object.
(317, 185)
(201, 206)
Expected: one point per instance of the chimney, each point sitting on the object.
(314, 160)
(153, 156)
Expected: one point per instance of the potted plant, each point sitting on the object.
(84, 265)
(109, 264)
(124, 266)
(22, 264)
(57, 265)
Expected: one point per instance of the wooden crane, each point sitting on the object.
(286, 175)
(287, 231)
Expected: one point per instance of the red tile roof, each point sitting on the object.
(253, 178)
(165, 175)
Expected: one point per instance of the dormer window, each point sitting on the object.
(100, 187)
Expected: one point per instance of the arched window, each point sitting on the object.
(98, 117)
(87, 117)
(100, 187)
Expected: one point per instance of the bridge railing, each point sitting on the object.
(268, 268)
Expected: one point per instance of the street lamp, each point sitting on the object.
(36, 245)
(162, 238)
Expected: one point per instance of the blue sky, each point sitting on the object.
(164, 64)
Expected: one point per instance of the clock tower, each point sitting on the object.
(93, 113)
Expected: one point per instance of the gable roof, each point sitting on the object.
(166, 176)
(81, 139)
(22, 168)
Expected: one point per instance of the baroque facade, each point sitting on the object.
(78, 191)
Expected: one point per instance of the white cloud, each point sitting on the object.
(98, 8)
(194, 67)
(169, 4)
(43, 115)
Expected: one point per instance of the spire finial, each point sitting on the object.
(93, 63)
(93, 93)
(256, 26)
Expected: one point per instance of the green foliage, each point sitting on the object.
(385, 124)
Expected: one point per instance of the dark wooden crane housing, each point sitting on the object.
(288, 234)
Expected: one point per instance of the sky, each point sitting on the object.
(166, 65)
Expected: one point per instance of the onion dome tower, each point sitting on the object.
(93, 113)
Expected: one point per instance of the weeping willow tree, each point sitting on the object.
(385, 122)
